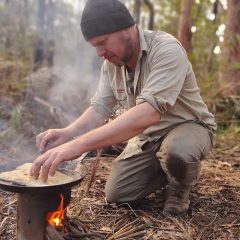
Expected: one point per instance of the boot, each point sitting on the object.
(177, 199)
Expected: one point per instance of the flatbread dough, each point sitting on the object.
(22, 176)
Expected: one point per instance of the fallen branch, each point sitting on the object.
(82, 235)
(53, 234)
(130, 232)
(57, 113)
(137, 234)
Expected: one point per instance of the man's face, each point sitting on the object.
(116, 47)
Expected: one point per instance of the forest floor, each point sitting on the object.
(214, 212)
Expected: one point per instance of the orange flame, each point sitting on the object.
(55, 218)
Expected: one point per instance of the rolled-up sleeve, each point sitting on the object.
(168, 68)
(104, 101)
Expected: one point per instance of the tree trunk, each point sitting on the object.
(50, 16)
(185, 24)
(214, 43)
(229, 76)
(41, 17)
(137, 11)
(41, 32)
(24, 13)
(7, 16)
(151, 14)
(50, 43)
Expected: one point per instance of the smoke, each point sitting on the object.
(77, 66)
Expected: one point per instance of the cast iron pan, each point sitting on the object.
(18, 188)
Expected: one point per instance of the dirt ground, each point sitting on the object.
(214, 212)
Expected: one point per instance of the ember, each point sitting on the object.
(55, 218)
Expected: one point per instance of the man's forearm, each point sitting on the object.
(126, 126)
(88, 121)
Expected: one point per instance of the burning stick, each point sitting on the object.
(53, 234)
(55, 218)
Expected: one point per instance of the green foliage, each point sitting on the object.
(227, 111)
(205, 62)
(13, 81)
(16, 117)
(235, 66)
(167, 15)
(228, 134)
(17, 37)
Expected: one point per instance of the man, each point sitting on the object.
(147, 75)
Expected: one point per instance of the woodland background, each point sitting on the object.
(48, 73)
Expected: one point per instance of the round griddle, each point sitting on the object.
(18, 188)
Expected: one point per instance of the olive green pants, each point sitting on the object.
(145, 166)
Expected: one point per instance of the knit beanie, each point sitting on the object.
(101, 17)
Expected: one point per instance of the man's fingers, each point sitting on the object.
(39, 138)
(46, 167)
(45, 140)
(36, 167)
(54, 166)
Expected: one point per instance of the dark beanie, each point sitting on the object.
(101, 17)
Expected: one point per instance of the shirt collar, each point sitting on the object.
(143, 44)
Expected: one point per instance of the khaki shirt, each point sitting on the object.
(163, 77)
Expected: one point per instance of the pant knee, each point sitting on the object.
(176, 166)
(181, 168)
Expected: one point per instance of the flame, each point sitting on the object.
(55, 218)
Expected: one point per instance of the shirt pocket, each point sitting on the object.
(120, 94)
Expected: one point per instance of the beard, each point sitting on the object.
(128, 51)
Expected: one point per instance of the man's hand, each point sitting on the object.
(50, 160)
(52, 138)
(128, 125)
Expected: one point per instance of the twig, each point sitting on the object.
(9, 204)
(137, 234)
(3, 221)
(131, 231)
(129, 207)
(204, 229)
(126, 229)
(127, 225)
(94, 170)
(77, 222)
(83, 220)
(230, 225)
(81, 235)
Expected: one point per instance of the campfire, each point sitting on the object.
(60, 227)
(56, 218)
(41, 210)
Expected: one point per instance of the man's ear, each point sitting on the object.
(126, 31)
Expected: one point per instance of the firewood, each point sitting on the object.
(137, 234)
(53, 234)
(80, 236)
(126, 232)
(79, 224)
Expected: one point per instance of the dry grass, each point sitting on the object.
(214, 211)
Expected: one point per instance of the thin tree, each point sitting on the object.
(137, 11)
(185, 25)
(229, 76)
(150, 6)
